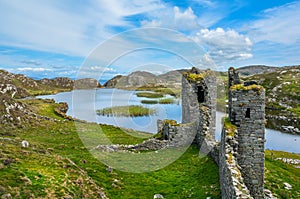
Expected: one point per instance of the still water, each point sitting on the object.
(84, 103)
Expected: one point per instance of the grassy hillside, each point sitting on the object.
(282, 97)
(277, 172)
(56, 164)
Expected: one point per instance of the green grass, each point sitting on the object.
(295, 110)
(58, 164)
(149, 95)
(278, 172)
(169, 90)
(55, 146)
(167, 101)
(149, 102)
(126, 111)
(46, 91)
(160, 101)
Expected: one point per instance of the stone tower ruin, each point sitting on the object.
(240, 153)
(199, 102)
(247, 113)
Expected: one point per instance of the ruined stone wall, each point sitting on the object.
(190, 105)
(199, 103)
(240, 155)
(177, 134)
(199, 92)
(248, 114)
(231, 180)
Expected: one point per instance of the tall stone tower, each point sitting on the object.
(247, 112)
(199, 102)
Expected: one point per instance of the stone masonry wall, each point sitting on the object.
(190, 106)
(240, 155)
(199, 102)
(178, 134)
(231, 181)
(248, 114)
(199, 106)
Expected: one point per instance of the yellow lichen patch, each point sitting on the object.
(171, 122)
(230, 158)
(247, 88)
(195, 77)
(231, 128)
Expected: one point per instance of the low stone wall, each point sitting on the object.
(231, 180)
(177, 134)
(151, 144)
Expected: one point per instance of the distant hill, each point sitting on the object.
(13, 87)
(143, 78)
(26, 86)
(255, 69)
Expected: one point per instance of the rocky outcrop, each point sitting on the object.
(21, 86)
(112, 83)
(62, 82)
(86, 83)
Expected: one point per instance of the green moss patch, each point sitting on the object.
(231, 128)
(171, 122)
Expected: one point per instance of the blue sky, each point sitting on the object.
(52, 38)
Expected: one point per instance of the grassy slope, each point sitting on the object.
(278, 172)
(55, 146)
(287, 93)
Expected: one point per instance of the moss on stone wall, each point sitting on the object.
(247, 88)
(195, 77)
(171, 122)
(231, 128)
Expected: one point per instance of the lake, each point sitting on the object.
(84, 103)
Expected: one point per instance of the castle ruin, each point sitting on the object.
(240, 153)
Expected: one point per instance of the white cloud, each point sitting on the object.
(224, 46)
(206, 3)
(31, 62)
(101, 69)
(173, 18)
(280, 25)
(63, 26)
(34, 69)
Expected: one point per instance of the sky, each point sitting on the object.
(50, 38)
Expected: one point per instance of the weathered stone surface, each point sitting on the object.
(247, 112)
(157, 196)
(6, 196)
